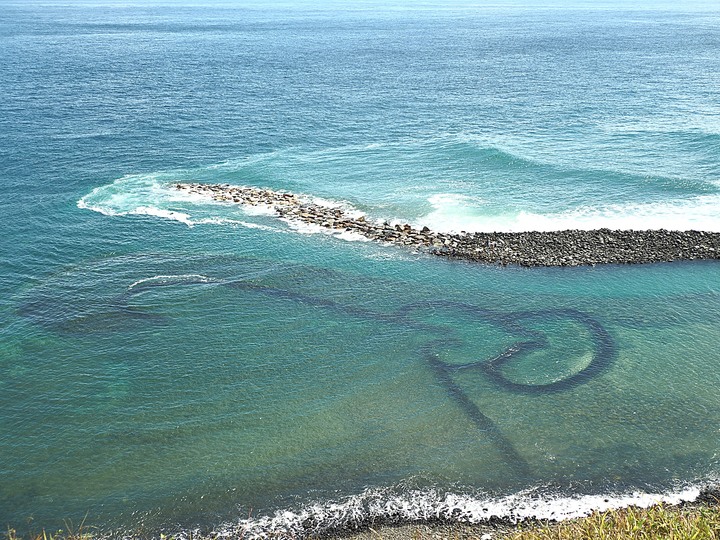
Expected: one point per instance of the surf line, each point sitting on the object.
(572, 247)
(516, 324)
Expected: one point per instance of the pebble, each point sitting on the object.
(555, 248)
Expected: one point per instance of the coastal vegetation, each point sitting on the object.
(71, 532)
(657, 522)
(695, 521)
(684, 522)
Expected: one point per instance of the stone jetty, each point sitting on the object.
(556, 248)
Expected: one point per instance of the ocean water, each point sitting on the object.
(168, 363)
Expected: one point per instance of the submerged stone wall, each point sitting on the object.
(557, 248)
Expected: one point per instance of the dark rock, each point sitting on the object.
(555, 248)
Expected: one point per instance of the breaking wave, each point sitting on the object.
(385, 506)
(458, 212)
(171, 280)
(451, 183)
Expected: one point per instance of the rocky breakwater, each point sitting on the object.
(555, 248)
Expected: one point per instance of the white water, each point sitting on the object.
(152, 195)
(171, 279)
(386, 506)
(457, 212)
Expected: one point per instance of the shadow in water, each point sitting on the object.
(517, 324)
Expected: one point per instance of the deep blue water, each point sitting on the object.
(168, 362)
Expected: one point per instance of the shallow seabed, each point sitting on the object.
(169, 363)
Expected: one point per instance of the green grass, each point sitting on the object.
(694, 522)
(657, 522)
(81, 532)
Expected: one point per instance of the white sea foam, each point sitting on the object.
(259, 210)
(172, 279)
(159, 212)
(312, 228)
(351, 236)
(348, 209)
(442, 200)
(137, 195)
(454, 213)
(182, 195)
(82, 203)
(227, 221)
(385, 505)
(153, 195)
(700, 213)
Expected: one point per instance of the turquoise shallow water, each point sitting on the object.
(168, 362)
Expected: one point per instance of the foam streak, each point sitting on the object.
(559, 248)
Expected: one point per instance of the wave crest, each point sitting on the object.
(386, 507)
(170, 280)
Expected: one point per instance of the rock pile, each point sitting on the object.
(556, 248)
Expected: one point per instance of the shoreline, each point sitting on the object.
(572, 247)
(532, 529)
(500, 529)
(459, 523)
(692, 516)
